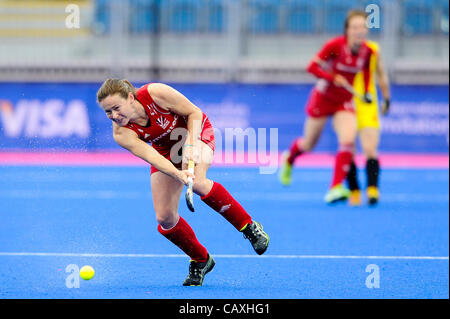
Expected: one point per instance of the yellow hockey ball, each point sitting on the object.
(87, 272)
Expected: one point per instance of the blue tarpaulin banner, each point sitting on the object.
(65, 116)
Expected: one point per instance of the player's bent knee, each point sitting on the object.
(307, 146)
(167, 219)
(202, 186)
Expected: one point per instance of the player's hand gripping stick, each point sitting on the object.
(366, 97)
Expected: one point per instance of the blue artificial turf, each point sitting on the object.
(108, 212)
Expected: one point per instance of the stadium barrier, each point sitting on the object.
(66, 117)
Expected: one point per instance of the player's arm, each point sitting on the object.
(130, 141)
(367, 75)
(383, 80)
(316, 66)
(170, 99)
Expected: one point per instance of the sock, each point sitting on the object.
(294, 151)
(352, 177)
(184, 237)
(342, 165)
(372, 171)
(222, 202)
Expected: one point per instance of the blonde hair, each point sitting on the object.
(115, 86)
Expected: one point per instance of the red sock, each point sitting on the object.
(183, 236)
(342, 166)
(294, 151)
(222, 202)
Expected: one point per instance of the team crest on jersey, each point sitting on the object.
(163, 122)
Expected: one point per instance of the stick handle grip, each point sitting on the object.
(191, 166)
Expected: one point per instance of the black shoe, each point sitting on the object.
(197, 271)
(258, 238)
(373, 195)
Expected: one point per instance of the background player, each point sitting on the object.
(369, 127)
(336, 66)
(154, 113)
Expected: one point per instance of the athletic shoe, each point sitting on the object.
(285, 174)
(373, 195)
(336, 194)
(197, 271)
(258, 238)
(355, 198)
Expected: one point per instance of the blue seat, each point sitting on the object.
(264, 16)
(179, 15)
(443, 7)
(216, 15)
(336, 13)
(302, 16)
(143, 15)
(102, 16)
(417, 17)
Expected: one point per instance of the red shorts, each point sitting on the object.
(319, 105)
(206, 136)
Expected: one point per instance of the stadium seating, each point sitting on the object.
(302, 16)
(216, 12)
(270, 16)
(335, 14)
(102, 16)
(180, 15)
(263, 16)
(143, 16)
(443, 18)
(417, 17)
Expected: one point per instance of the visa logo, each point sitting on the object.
(44, 119)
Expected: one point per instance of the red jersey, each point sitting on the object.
(339, 59)
(162, 123)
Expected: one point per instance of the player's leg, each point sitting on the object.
(355, 198)
(219, 199)
(353, 185)
(312, 130)
(165, 202)
(370, 139)
(345, 126)
(166, 193)
(352, 176)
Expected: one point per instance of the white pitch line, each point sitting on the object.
(28, 254)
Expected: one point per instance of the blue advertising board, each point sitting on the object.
(65, 116)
